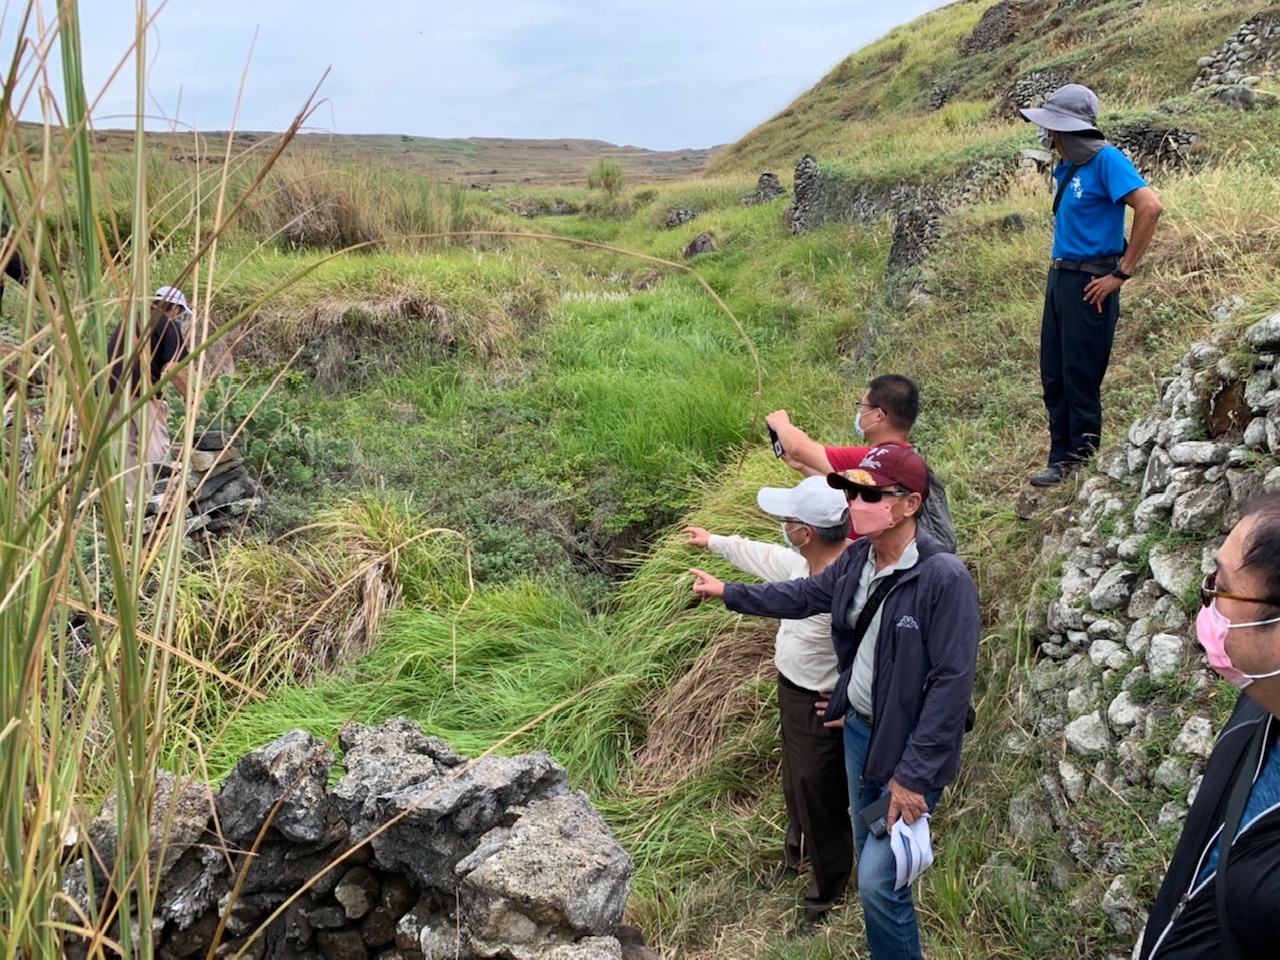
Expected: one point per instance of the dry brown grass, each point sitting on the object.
(335, 332)
(690, 719)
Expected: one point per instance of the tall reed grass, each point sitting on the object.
(87, 589)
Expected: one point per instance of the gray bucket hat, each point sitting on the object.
(1070, 109)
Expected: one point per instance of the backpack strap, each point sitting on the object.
(1057, 197)
(923, 552)
(1230, 827)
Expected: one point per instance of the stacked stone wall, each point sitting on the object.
(415, 853)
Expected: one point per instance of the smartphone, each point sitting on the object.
(773, 438)
(875, 816)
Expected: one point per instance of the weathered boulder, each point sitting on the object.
(1087, 735)
(292, 772)
(514, 894)
(702, 243)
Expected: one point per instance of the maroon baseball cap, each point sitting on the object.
(884, 467)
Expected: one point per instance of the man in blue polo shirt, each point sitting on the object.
(1094, 183)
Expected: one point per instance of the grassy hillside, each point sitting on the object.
(872, 111)
(479, 448)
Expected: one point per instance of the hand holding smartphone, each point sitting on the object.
(773, 439)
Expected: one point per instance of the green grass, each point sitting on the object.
(560, 409)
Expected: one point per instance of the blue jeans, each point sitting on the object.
(889, 914)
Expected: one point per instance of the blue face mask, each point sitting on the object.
(857, 424)
(786, 539)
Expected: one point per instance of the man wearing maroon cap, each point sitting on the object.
(904, 622)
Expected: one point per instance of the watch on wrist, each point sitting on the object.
(1117, 272)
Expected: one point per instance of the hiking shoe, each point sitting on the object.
(1055, 473)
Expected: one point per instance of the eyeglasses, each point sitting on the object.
(1209, 591)
(869, 406)
(873, 494)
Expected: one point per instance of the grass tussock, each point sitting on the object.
(689, 723)
(316, 205)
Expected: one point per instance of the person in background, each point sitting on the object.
(158, 345)
(15, 268)
(1223, 901)
(1094, 183)
(885, 413)
(904, 622)
(814, 524)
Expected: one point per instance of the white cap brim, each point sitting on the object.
(776, 501)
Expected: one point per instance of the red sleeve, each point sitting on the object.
(845, 458)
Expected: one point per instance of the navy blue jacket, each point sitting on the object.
(1183, 923)
(926, 655)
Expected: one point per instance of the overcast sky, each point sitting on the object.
(662, 74)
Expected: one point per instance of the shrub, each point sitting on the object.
(606, 175)
(275, 434)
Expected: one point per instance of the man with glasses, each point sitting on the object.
(904, 622)
(1216, 900)
(814, 524)
(885, 413)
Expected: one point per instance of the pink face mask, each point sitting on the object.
(1211, 631)
(870, 518)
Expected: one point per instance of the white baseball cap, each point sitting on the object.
(173, 295)
(811, 501)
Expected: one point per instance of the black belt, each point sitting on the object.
(864, 718)
(1094, 265)
(795, 686)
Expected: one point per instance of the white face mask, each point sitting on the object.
(857, 424)
(1044, 138)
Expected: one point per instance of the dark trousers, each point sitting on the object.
(1075, 347)
(14, 269)
(817, 796)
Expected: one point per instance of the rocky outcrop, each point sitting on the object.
(1121, 682)
(677, 216)
(1246, 57)
(212, 490)
(768, 188)
(416, 852)
(997, 27)
(941, 92)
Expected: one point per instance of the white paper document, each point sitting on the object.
(912, 851)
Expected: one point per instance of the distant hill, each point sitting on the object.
(495, 161)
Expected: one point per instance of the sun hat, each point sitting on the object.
(1070, 109)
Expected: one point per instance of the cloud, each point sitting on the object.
(661, 74)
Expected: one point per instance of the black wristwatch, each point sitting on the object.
(1117, 272)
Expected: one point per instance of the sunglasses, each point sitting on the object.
(1209, 592)
(872, 494)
